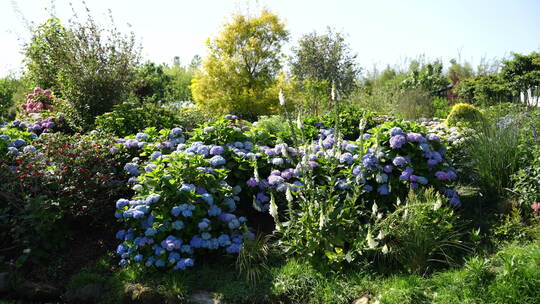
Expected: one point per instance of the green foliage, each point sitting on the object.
(129, 118)
(8, 88)
(326, 59)
(484, 90)
(151, 82)
(458, 71)
(428, 77)
(350, 119)
(240, 71)
(465, 114)
(526, 183)
(422, 233)
(521, 72)
(441, 106)
(413, 104)
(69, 181)
(180, 80)
(253, 258)
(276, 125)
(495, 153)
(90, 70)
(314, 95)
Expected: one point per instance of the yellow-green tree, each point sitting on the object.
(239, 75)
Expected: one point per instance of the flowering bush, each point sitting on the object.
(339, 190)
(57, 184)
(185, 204)
(205, 180)
(38, 102)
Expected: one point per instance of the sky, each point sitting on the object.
(380, 32)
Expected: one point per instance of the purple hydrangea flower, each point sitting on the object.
(346, 158)
(395, 131)
(274, 180)
(415, 137)
(397, 141)
(400, 161)
(252, 182)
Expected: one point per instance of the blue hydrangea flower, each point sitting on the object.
(230, 204)
(187, 187)
(406, 174)
(203, 225)
(383, 189)
(139, 257)
(19, 143)
(397, 141)
(150, 232)
(13, 150)
(120, 234)
(346, 158)
(400, 161)
(287, 173)
(343, 184)
(29, 149)
(415, 137)
(369, 160)
(175, 132)
(141, 136)
(155, 154)
(422, 180)
(234, 248)
(132, 143)
(214, 210)
(395, 131)
(207, 197)
(178, 225)
(132, 168)
(274, 180)
(217, 160)
(233, 224)
(121, 203)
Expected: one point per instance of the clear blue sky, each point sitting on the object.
(380, 32)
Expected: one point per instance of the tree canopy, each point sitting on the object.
(239, 75)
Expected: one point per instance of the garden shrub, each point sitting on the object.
(58, 184)
(346, 118)
(184, 202)
(526, 185)
(91, 70)
(129, 118)
(340, 189)
(466, 114)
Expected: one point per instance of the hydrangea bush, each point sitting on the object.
(186, 194)
(192, 191)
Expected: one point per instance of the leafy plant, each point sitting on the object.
(90, 70)
(129, 118)
(466, 114)
(422, 233)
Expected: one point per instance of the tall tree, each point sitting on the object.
(325, 58)
(240, 73)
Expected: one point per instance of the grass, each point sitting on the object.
(511, 275)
